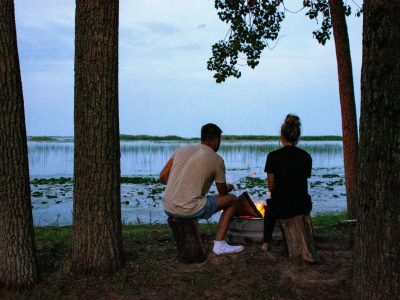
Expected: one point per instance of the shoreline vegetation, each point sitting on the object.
(142, 137)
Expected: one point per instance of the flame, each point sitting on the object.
(260, 207)
(253, 174)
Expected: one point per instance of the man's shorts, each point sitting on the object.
(210, 208)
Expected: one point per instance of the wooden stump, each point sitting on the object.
(298, 232)
(187, 237)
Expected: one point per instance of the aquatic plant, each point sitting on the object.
(140, 180)
(61, 180)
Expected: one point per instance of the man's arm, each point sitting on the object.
(224, 188)
(164, 175)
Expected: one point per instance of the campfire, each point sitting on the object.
(253, 209)
(249, 227)
(260, 207)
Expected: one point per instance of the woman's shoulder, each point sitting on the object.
(274, 153)
(303, 152)
(284, 151)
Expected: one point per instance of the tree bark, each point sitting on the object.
(188, 242)
(17, 250)
(298, 233)
(97, 230)
(347, 103)
(377, 247)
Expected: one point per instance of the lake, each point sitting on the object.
(142, 203)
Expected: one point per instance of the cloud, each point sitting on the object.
(162, 28)
(163, 50)
(44, 15)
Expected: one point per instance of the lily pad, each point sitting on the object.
(37, 194)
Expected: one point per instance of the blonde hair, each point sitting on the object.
(291, 129)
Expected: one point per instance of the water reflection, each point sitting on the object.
(139, 205)
(51, 159)
(54, 159)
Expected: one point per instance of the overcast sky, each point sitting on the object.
(164, 85)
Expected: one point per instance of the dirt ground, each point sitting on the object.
(153, 272)
(254, 274)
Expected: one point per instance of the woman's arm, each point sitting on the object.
(271, 182)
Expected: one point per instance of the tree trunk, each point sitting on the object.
(347, 103)
(97, 230)
(299, 236)
(17, 250)
(188, 242)
(377, 253)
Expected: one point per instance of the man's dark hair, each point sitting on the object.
(210, 132)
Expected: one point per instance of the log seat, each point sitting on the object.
(298, 233)
(188, 241)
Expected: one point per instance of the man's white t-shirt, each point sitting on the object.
(194, 169)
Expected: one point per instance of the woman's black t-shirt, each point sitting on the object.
(291, 166)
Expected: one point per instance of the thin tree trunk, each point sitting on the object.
(97, 232)
(347, 103)
(17, 251)
(377, 256)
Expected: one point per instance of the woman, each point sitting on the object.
(288, 169)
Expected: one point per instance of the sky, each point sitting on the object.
(164, 85)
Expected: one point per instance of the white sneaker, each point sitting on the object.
(221, 247)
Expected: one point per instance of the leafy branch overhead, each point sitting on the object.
(255, 23)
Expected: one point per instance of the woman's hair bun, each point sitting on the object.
(291, 129)
(292, 120)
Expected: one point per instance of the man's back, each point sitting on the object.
(194, 169)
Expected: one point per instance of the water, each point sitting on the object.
(146, 158)
(53, 159)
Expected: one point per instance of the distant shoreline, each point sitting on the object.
(126, 137)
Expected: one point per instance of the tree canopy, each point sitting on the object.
(254, 24)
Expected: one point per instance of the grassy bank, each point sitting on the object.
(143, 137)
(152, 271)
(329, 221)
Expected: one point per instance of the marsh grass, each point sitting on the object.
(127, 137)
(144, 137)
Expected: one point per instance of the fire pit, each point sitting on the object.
(244, 229)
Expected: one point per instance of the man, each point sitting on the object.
(189, 175)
